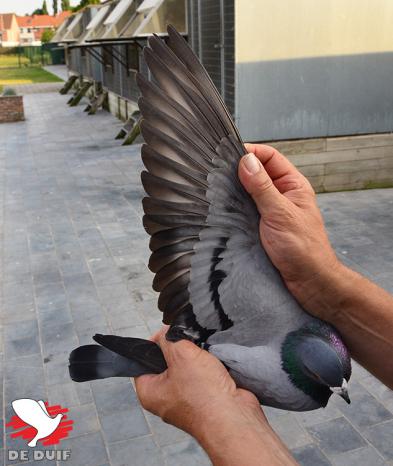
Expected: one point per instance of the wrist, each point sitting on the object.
(241, 435)
(322, 294)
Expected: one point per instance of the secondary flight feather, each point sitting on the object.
(217, 286)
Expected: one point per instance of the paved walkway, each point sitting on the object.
(59, 70)
(44, 88)
(74, 263)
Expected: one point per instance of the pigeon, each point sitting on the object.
(218, 288)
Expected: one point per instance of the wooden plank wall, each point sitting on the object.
(343, 163)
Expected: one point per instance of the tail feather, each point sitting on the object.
(138, 357)
(145, 352)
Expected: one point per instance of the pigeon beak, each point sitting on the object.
(342, 391)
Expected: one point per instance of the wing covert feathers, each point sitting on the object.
(195, 201)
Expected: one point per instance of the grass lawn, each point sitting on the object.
(11, 76)
(12, 60)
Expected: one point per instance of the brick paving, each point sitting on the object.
(74, 257)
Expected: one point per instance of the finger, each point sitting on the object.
(156, 336)
(274, 162)
(259, 185)
(177, 351)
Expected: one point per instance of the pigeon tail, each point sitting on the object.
(117, 357)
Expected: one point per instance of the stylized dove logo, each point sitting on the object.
(36, 415)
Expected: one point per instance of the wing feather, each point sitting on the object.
(197, 213)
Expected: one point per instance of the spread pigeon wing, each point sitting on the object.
(203, 225)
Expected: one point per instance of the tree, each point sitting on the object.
(84, 3)
(65, 5)
(55, 7)
(47, 36)
(44, 8)
(37, 11)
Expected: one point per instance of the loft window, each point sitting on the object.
(132, 58)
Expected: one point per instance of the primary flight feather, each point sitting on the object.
(217, 286)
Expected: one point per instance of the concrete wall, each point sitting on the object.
(313, 68)
(344, 163)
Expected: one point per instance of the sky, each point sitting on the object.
(21, 7)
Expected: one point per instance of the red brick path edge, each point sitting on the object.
(11, 108)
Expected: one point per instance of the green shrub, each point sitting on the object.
(9, 91)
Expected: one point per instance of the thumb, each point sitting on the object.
(258, 184)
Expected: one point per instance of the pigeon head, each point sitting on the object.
(317, 362)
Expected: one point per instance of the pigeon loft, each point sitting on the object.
(307, 80)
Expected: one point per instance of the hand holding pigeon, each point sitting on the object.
(197, 395)
(291, 228)
(195, 387)
(218, 287)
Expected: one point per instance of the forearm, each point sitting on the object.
(363, 313)
(245, 440)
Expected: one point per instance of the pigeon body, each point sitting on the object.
(217, 286)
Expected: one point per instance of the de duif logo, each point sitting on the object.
(36, 421)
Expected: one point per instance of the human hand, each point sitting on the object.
(197, 394)
(291, 227)
(194, 389)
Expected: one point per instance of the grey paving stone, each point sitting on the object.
(125, 424)
(58, 338)
(19, 313)
(290, 431)
(75, 252)
(140, 331)
(87, 450)
(368, 412)
(186, 452)
(22, 346)
(85, 420)
(24, 329)
(52, 318)
(64, 394)
(379, 391)
(336, 436)
(56, 367)
(381, 437)
(363, 457)
(310, 418)
(164, 434)
(359, 372)
(310, 455)
(142, 451)
(113, 395)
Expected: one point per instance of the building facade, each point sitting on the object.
(9, 30)
(311, 78)
(299, 70)
(32, 27)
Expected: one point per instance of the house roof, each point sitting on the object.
(42, 21)
(6, 20)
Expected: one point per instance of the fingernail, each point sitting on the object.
(252, 164)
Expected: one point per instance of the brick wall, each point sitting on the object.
(343, 163)
(11, 109)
